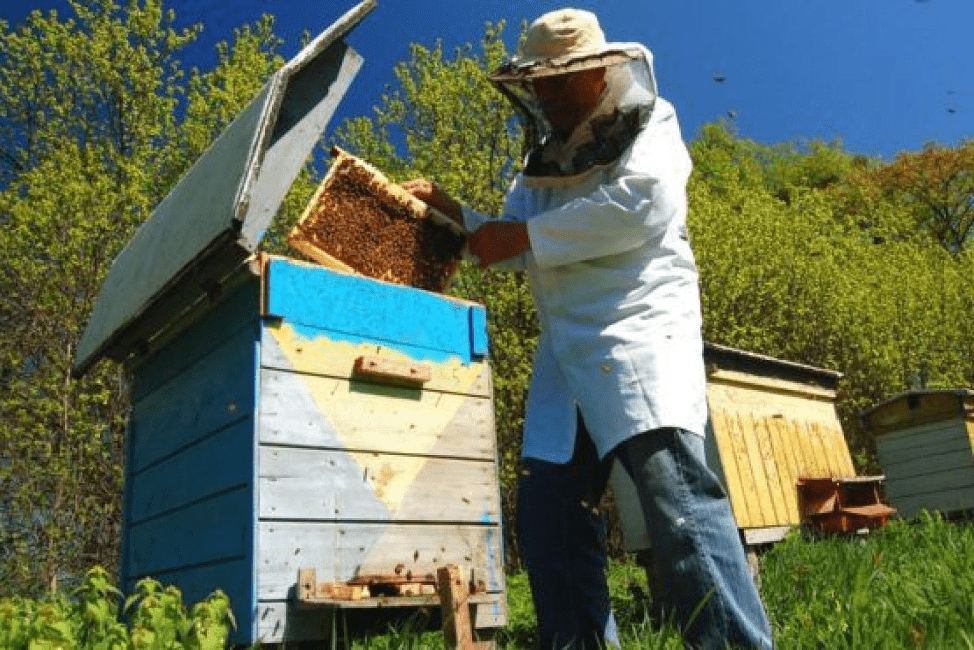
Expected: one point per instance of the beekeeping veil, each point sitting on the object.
(567, 41)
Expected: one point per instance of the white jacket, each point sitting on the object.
(615, 285)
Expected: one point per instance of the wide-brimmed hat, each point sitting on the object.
(562, 41)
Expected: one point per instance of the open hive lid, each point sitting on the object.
(216, 216)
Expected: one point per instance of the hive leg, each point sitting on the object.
(457, 628)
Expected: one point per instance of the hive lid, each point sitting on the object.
(217, 214)
(917, 407)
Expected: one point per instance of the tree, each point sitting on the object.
(97, 121)
(937, 185)
(830, 276)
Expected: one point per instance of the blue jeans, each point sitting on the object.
(697, 552)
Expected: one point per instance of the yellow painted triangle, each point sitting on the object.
(383, 418)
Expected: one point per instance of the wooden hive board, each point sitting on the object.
(358, 221)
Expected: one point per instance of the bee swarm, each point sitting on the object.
(356, 220)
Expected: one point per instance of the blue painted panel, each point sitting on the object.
(196, 584)
(236, 311)
(478, 332)
(214, 464)
(215, 530)
(216, 391)
(361, 310)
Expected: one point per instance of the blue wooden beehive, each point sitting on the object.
(286, 416)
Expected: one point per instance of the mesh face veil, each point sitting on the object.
(606, 132)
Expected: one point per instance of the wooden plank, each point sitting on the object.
(338, 414)
(198, 582)
(279, 621)
(454, 593)
(770, 384)
(794, 433)
(911, 448)
(821, 460)
(314, 484)
(216, 391)
(787, 467)
(916, 434)
(755, 466)
(235, 312)
(728, 462)
(340, 551)
(198, 211)
(783, 471)
(763, 437)
(735, 435)
(943, 458)
(316, 351)
(944, 480)
(214, 464)
(820, 450)
(214, 530)
(960, 498)
(786, 435)
(764, 402)
(755, 536)
(310, 97)
(357, 309)
(812, 462)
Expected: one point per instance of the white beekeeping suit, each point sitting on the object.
(611, 268)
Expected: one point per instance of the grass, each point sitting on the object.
(909, 585)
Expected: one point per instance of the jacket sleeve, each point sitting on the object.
(472, 220)
(644, 195)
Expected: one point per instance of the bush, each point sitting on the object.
(89, 618)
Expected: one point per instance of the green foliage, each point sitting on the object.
(811, 271)
(935, 187)
(910, 585)
(90, 142)
(89, 619)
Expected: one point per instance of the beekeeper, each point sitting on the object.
(597, 218)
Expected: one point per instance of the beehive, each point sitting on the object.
(771, 423)
(286, 416)
(925, 444)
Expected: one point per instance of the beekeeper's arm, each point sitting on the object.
(501, 241)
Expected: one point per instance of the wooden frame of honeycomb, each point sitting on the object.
(360, 222)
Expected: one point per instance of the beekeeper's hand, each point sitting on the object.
(433, 195)
(496, 241)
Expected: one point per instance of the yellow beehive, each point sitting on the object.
(771, 423)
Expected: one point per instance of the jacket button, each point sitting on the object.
(606, 368)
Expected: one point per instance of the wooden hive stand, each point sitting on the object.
(449, 589)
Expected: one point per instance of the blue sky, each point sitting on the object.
(881, 75)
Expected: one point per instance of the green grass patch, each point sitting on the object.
(909, 585)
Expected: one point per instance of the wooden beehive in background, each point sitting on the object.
(925, 444)
(771, 423)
